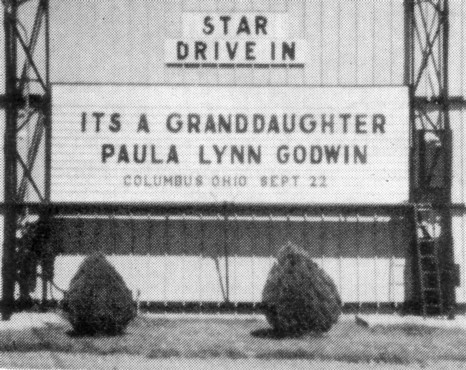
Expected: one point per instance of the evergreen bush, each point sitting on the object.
(98, 300)
(299, 297)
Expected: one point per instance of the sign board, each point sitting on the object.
(239, 144)
(235, 39)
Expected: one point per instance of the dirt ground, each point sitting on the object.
(53, 360)
(45, 341)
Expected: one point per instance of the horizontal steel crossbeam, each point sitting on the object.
(36, 101)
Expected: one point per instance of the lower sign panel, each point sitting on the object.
(238, 144)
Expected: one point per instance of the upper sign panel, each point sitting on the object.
(235, 39)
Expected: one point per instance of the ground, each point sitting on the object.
(218, 341)
(50, 360)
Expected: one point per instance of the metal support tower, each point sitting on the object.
(426, 73)
(27, 110)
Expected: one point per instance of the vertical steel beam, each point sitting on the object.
(426, 60)
(10, 170)
(408, 78)
(408, 41)
(226, 253)
(48, 132)
(48, 107)
(409, 73)
(448, 280)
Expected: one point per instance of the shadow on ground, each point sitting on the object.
(270, 333)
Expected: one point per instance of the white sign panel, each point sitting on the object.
(235, 25)
(242, 53)
(239, 144)
(243, 39)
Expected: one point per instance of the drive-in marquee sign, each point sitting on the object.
(240, 144)
(235, 39)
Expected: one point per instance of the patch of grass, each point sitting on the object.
(409, 330)
(286, 354)
(163, 353)
(155, 338)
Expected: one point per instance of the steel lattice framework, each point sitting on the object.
(427, 49)
(27, 105)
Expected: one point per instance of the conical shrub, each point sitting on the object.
(299, 296)
(98, 300)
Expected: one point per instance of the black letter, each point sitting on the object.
(172, 155)
(273, 124)
(201, 156)
(223, 124)
(231, 51)
(316, 154)
(345, 118)
(299, 154)
(194, 120)
(250, 50)
(216, 50)
(143, 125)
(98, 116)
(219, 152)
(360, 123)
(328, 123)
(115, 125)
(261, 23)
(210, 27)
(360, 155)
(243, 26)
(179, 123)
(123, 156)
(286, 128)
(332, 153)
(258, 123)
(225, 19)
(254, 155)
(143, 155)
(288, 51)
(312, 122)
(378, 123)
(283, 158)
(108, 150)
(241, 123)
(83, 122)
(154, 155)
(182, 50)
(210, 124)
(199, 50)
